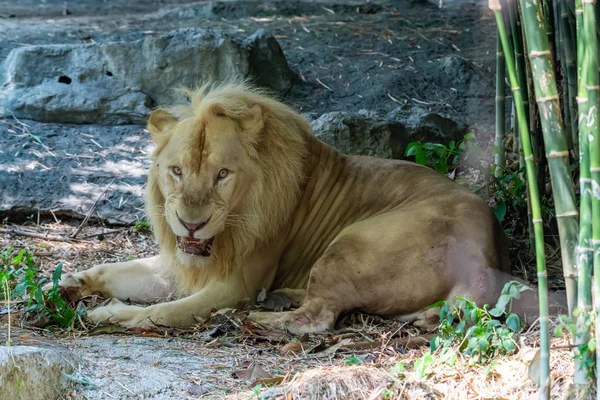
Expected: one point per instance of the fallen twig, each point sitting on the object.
(89, 214)
(44, 236)
(91, 235)
(324, 85)
(395, 100)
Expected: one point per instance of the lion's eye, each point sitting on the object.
(223, 173)
(176, 170)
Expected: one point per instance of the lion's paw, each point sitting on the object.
(119, 313)
(295, 322)
(72, 286)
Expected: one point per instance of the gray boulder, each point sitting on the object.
(386, 136)
(120, 83)
(28, 372)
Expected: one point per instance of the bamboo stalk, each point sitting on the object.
(499, 154)
(579, 29)
(517, 41)
(557, 154)
(585, 249)
(591, 82)
(547, 13)
(535, 200)
(521, 71)
(570, 71)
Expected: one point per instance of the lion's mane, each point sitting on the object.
(279, 154)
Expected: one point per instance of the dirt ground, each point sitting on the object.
(349, 55)
(227, 357)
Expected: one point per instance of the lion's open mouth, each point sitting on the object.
(197, 247)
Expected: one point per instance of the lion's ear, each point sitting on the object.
(254, 123)
(159, 124)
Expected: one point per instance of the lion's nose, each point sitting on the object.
(192, 227)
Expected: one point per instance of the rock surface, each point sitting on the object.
(28, 372)
(66, 168)
(121, 82)
(386, 136)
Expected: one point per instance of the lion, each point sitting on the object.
(242, 196)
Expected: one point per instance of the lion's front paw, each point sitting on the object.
(122, 314)
(72, 286)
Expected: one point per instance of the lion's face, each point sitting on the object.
(203, 171)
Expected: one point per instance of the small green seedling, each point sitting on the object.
(141, 227)
(22, 280)
(352, 360)
(581, 321)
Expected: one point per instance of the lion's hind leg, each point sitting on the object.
(327, 295)
(312, 317)
(296, 295)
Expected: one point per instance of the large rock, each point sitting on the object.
(28, 372)
(120, 83)
(386, 136)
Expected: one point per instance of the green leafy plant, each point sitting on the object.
(586, 353)
(256, 392)
(438, 156)
(422, 363)
(481, 333)
(141, 227)
(7, 269)
(510, 195)
(19, 273)
(387, 394)
(352, 360)
(397, 369)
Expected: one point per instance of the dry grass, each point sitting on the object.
(507, 379)
(84, 253)
(312, 372)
